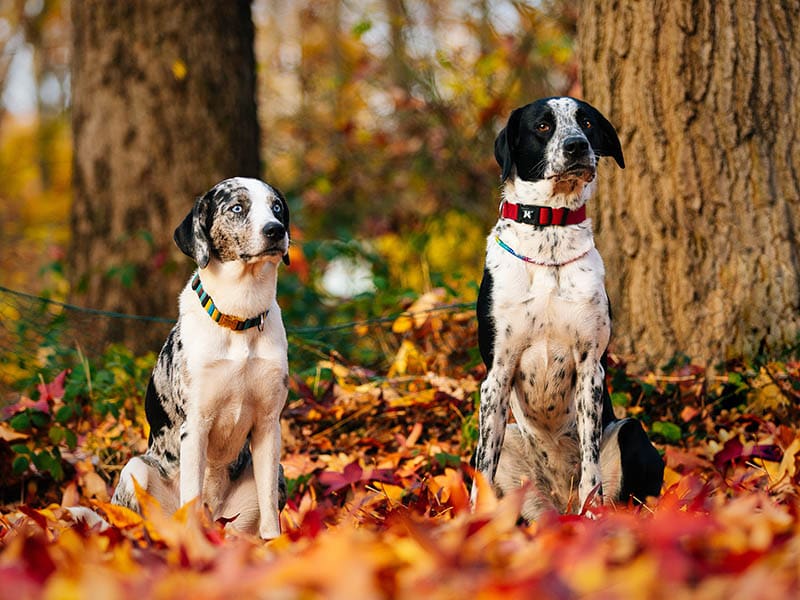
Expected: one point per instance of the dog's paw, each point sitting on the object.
(270, 526)
(269, 533)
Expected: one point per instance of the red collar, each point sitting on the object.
(542, 215)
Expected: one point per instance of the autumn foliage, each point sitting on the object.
(377, 466)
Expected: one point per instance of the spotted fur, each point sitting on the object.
(214, 400)
(543, 330)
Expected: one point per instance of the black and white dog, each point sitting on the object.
(544, 324)
(221, 379)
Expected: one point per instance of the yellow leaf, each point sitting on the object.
(423, 397)
(671, 477)
(7, 434)
(120, 517)
(394, 493)
(179, 69)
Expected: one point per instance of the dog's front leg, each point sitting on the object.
(493, 417)
(589, 396)
(266, 444)
(194, 445)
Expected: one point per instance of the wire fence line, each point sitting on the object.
(33, 328)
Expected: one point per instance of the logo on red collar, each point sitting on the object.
(542, 215)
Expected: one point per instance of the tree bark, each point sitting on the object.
(699, 233)
(163, 107)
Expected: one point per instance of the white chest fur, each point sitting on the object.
(238, 378)
(546, 318)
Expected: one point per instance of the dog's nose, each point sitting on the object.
(274, 231)
(576, 146)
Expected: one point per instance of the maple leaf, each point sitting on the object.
(353, 473)
(54, 390)
(25, 403)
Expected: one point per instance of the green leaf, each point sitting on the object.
(361, 28)
(65, 413)
(21, 449)
(620, 398)
(71, 437)
(669, 431)
(21, 421)
(56, 434)
(39, 419)
(20, 465)
(448, 460)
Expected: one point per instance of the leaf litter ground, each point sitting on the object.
(379, 503)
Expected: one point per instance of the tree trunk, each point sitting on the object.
(699, 233)
(163, 107)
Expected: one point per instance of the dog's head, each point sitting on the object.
(557, 139)
(239, 219)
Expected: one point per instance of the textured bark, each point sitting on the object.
(163, 107)
(699, 233)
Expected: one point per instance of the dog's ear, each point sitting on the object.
(608, 143)
(191, 236)
(506, 144)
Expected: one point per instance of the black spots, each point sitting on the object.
(285, 380)
(170, 457)
(561, 375)
(521, 376)
(551, 407)
(584, 356)
(508, 330)
(486, 322)
(573, 378)
(155, 412)
(597, 397)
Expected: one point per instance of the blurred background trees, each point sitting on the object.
(377, 119)
(163, 107)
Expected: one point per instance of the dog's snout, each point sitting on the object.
(274, 231)
(576, 146)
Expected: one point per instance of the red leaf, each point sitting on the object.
(53, 390)
(353, 473)
(336, 481)
(26, 403)
(35, 515)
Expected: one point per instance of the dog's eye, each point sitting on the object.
(236, 208)
(543, 127)
(587, 124)
(277, 208)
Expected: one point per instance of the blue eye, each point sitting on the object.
(277, 208)
(236, 208)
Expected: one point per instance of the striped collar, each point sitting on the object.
(234, 323)
(532, 261)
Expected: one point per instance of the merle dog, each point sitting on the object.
(221, 379)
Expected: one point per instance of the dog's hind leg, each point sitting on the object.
(630, 464)
(151, 478)
(522, 464)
